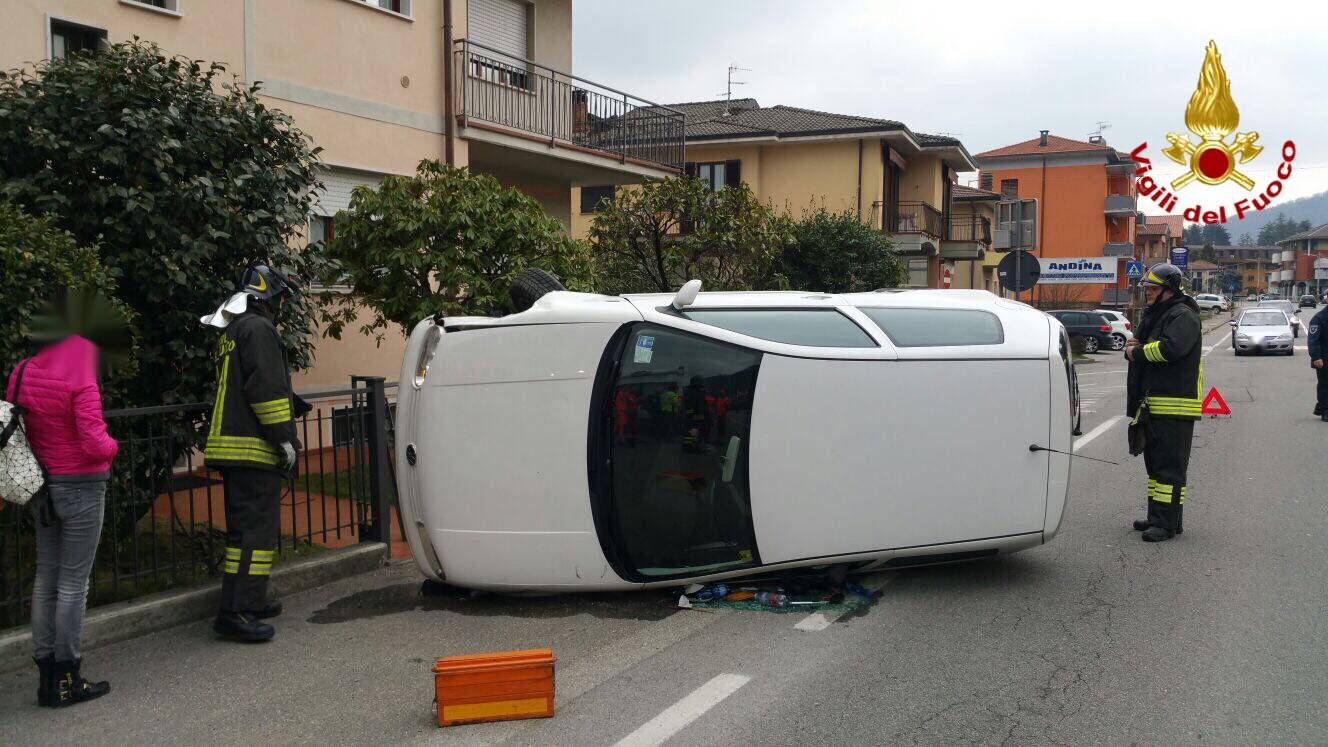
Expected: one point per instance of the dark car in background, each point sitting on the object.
(1089, 325)
(1308, 301)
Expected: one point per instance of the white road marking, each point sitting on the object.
(822, 620)
(1085, 439)
(677, 716)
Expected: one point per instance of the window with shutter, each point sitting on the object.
(503, 25)
(1010, 187)
(984, 181)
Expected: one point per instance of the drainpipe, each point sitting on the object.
(859, 180)
(449, 87)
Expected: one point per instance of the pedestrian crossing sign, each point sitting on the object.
(1134, 269)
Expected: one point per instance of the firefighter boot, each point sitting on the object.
(45, 681)
(1157, 534)
(269, 610)
(71, 688)
(243, 627)
(1141, 525)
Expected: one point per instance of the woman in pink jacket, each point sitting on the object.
(68, 435)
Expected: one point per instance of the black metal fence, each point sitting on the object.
(525, 96)
(916, 217)
(969, 228)
(165, 517)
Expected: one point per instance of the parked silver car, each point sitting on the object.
(1262, 329)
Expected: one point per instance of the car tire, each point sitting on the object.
(1091, 345)
(529, 286)
(1118, 341)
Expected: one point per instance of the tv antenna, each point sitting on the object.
(728, 92)
(1101, 125)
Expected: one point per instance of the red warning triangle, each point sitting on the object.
(1213, 404)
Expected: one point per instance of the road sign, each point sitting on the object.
(1134, 269)
(1180, 257)
(1019, 271)
(1213, 404)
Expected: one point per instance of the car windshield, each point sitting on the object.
(1263, 319)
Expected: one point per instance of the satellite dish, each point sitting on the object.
(1019, 271)
(687, 294)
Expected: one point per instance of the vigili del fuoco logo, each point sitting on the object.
(1213, 117)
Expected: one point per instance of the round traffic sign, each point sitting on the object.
(1018, 271)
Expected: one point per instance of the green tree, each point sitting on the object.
(837, 253)
(178, 174)
(1216, 234)
(36, 257)
(1194, 234)
(1246, 239)
(656, 237)
(445, 241)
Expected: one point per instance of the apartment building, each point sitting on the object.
(1086, 204)
(1302, 264)
(1253, 263)
(382, 84)
(892, 178)
(1156, 235)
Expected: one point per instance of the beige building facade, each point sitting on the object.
(383, 84)
(892, 178)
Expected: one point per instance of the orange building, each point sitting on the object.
(1086, 206)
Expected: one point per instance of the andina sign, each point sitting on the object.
(1077, 270)
(1212, 116)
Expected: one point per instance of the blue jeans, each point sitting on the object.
(65, 552)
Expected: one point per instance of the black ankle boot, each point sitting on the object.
(71, 688)
(270, 610)
(242, 627)
(1141, 525)
(1157, 534)
(45, 681)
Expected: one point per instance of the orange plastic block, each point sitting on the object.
(494, 687)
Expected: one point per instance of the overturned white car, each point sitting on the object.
(596, 442)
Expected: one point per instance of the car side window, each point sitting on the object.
(1073, 319)
(817, 327)
(937, 327)
(679, 422)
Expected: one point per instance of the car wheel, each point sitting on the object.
(1118, 342)
(529, 286)
(1091, 345)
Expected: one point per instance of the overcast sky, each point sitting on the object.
(991, 73)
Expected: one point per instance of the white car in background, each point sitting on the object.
(1288, 307)
(1212, 302)
(1121, 331)
(1262, 329)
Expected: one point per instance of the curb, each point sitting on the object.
(124, 620)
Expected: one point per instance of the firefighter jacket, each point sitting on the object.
(1317, 336)
(253, 413)
(1166, 374)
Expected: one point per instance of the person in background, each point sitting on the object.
(58, 389)
(1317, 340)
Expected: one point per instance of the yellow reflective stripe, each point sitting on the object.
(244, 455)
(233, 567)
(275, 418)
(218, 406)
(233, 553)
(258, 569)
(1153, 352)
(264, 555)
(240, 442)
(272, 404)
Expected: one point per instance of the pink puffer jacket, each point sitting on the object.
(64, 423)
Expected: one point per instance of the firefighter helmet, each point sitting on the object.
(1166, 275)
(264, 283)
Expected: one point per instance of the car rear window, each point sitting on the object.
(824, 328)
(910, 328)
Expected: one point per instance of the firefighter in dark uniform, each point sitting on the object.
(252, 442)
(1317, 338)
(1164, 396)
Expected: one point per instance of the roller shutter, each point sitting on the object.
(337, 185)
(501, 24)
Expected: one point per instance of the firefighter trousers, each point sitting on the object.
(1167, 458)
(253, 505)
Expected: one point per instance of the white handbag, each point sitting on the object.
(21, 476)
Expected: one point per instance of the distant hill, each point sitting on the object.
(1313, 209)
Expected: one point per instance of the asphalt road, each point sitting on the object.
(1219, 636)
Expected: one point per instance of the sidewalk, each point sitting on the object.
(350, 665)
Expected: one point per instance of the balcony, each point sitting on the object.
(1118, 249)
(916, 217)
(519, 103)
(1121, 205)
(968, 237)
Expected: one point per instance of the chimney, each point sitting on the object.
(1043, 139)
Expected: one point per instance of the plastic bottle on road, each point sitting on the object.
(772, 599)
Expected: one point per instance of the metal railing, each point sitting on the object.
(164, 523)
(916, 217)
(969, 228)
(526, 96)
